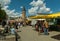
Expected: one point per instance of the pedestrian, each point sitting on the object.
(19, 25)
(16, 25)
(6, 29)
(3, 23)
(36, 27)
(12, 30)
(39, 27)
(46, 27)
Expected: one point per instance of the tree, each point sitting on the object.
(2, 14)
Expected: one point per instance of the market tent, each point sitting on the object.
(55, 15)
(37, 16)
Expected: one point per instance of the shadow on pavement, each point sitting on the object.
(56, 37)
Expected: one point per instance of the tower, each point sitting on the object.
(24, 15)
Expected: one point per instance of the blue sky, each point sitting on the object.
(32, 6)
(16, 4)
(53, 4)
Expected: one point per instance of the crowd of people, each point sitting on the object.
(42, 26)
(11, 26)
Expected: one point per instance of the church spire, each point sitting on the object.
(23, 9)
(24, 15)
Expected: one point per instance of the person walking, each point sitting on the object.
(46, 27)
(39, 27)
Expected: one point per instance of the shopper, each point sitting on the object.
(46, 27)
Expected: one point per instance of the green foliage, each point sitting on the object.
(2, 14)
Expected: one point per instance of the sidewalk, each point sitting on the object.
(28, 34)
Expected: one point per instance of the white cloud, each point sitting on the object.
(7, 10)
(14, 14)
(5, 7)
(41, 7)
(21, 7)
(43, 10)
(33, 3)
(48, 9)
(7, 2)
(4, 2)
(10, 13)
(33, 10)
(36, 3)
(20, 15)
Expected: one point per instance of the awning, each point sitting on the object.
(55, 15)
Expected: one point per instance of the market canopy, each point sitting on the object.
(37, 16)
(55, 15)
